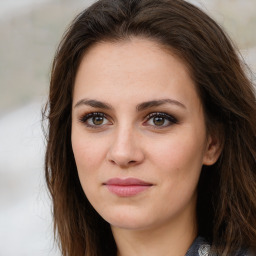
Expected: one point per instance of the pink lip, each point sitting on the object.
(127, 187)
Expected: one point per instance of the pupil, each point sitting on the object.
(158, 121)
(98, 120)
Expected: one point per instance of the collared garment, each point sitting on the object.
(201, 247)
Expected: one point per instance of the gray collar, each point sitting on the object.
(201, 247)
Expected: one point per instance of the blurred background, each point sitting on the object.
(29, 34)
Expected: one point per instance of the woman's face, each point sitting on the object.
(138, 134)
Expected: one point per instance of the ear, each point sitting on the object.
(213, 149)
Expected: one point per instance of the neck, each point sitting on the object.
(170, 239)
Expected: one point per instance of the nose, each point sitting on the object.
(126, 149)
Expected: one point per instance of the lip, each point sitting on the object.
(127, 187)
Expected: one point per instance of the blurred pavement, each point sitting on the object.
(25, 220)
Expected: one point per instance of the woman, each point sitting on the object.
(152, 134)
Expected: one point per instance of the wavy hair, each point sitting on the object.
(226, 206)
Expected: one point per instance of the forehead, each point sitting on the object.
(136, 66)
(129, 51)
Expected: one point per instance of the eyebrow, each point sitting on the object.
(155, 103)
(140, 107)
(93, 103)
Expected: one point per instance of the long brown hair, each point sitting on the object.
(226, 205)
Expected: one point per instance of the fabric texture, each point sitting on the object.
(201, 247)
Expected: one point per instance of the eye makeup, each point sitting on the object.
(95, 119)
(157, 120)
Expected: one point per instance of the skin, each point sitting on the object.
(127, 142)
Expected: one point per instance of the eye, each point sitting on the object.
(160, 120)
(95, 120)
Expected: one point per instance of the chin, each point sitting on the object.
(128, 220)
(130, 225)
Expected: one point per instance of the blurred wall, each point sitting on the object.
(30, 34)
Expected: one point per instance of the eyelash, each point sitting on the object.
(84, 119)
(172, 120)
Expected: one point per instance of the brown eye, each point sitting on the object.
(95, 120)
(158, 121)
(98, 120)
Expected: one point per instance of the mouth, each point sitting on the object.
(127, 187)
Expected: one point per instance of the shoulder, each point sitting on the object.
(201, 247)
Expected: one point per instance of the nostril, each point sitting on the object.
(125, 156)
(123, 163)
(112, 161)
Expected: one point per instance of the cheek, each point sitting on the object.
(83, 143)
(180, 161)
(178, 153)
(179, 164)
(83, 157)
(88, 158)
(88, 154)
